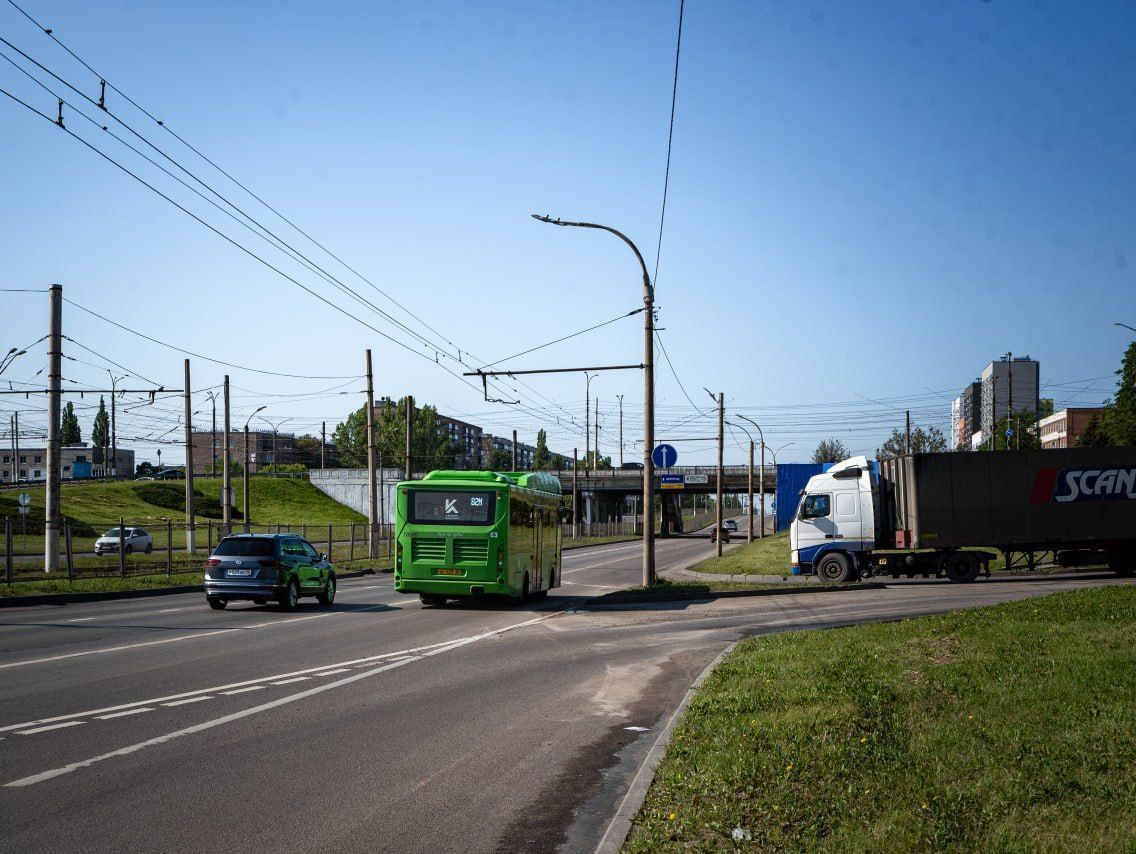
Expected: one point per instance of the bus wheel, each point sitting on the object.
(524, 594)
(431, 600)
(834, 567)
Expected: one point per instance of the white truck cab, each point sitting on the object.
(835, 526)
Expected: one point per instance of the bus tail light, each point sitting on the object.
(398, 556)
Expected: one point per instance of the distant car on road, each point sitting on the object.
(133, 540)
(730, 525)
(171, 474)
(725, 534)
(268, 567)
(637, 466)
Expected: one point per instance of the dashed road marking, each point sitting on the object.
(290, 681)
(46, 728)
(244, 690)
(80, 619)
(189, 700)
(124, 714)
(333, 672)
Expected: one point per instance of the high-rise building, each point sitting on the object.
(966, 414)
(1009, 384)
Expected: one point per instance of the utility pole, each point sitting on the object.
(620, 396)
(246, 479)
(55, 379)
(190, 522)
(409, 437)
(514, 451)
(597, 449)
(749, 498)
(721, 443)
(372, 506)
(323, 441)
(113, 429)
(762, 488)
(213, 400)
(575, 490)
(907, 447)
(227, 476)
(16, 446)
(1010, 392)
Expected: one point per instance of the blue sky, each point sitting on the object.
(867, 203)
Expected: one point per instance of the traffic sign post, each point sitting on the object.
(24, 500)
(664, 456)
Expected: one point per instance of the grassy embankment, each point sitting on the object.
(1009, 728)
(766, 556)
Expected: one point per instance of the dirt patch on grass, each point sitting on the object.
(937, 650)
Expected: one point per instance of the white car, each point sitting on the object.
(730, 525)
(134, 540)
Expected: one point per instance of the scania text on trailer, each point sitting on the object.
(950, 514)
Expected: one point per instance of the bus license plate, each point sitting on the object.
(239, 573)
(449, 572)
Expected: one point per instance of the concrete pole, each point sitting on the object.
(620, 430)
(907, 447)
(227, 475)
(54, 464)
(587, 415)
(721, 443)
(275, 459)
(246, 477)
(190, 522)
(16, 446)
(575, 489)
(597, 453)
(648, 425)
(749, 501)
(514, 468)
(113, 431)
(373, 520)
(323, 441)
(409, 437)
(761, 486)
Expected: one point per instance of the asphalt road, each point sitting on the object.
(378, 725)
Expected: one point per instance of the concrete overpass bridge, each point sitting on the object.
(603, 493)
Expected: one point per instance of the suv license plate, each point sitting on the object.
(238, 573)
(449, 572)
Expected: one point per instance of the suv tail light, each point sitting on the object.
(212, 562)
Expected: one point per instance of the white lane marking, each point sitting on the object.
(80, 619)
(333, 672)
(105, 650)
(124, 714)
(449, 646)
(190, 700)
(357, 662)
(243, 690)
(168, 610)
(290, 681)
(53, 726)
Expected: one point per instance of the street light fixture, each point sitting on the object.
(10, 357)
(761, 485)
(648, 395)
(1125, 325)
(275, 428)
(246, 471)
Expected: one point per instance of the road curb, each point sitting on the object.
(107, 595)
(685, 595)
(620, 825)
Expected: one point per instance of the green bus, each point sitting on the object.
(463, 534)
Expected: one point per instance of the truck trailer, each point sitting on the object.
(950, 514)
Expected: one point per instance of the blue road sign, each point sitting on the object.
(664, 456)
(672, 481)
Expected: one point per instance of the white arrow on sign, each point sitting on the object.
(24, 499)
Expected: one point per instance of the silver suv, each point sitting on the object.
(268, 567)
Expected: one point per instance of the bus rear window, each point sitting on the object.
(440, 507)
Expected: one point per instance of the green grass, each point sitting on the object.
(768, 556)
(1006, 728)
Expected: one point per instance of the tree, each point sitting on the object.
(1120, 421)
(1094, 435)
(830, 451)
(542, 457)
(500, 460)
(586, 462)
(1024, 433)
(306, 450)
(100, 432)
(929, 441)
(69, 433)
(432, 447)
(144, 469)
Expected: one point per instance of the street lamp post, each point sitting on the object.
(212, 395)
(761, 483)
(275, 429)
(587, 413)
(648, 395)
(246, 467)
(749, 480)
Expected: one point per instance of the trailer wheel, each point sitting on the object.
(834, 567)
(961, 567)
(1122, 563)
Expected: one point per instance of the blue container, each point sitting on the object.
(791, 479)
(80, 470)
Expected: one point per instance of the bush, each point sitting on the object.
(172, 497)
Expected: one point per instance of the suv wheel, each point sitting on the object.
(217, 604)
(291, 596)
(328, 596)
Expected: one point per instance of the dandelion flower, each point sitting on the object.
(674, 815)
(864, 740)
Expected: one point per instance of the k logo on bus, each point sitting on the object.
(451, 506)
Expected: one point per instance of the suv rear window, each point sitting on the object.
(242, 547)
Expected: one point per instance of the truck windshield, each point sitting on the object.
(451, 507)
